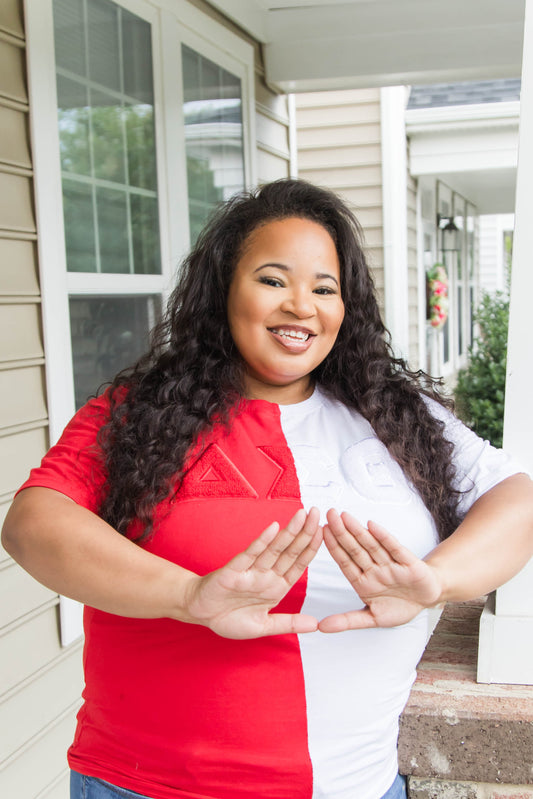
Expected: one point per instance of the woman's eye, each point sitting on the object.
(270, 281)
(325, 290)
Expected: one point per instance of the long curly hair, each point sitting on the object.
(192, 377)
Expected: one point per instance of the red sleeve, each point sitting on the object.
(74, 466)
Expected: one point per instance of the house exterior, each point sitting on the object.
(124, 117)
(215, 116)
(398, 156)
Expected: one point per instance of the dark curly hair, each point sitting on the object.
(193, 374)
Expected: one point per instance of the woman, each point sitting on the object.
(270, 401)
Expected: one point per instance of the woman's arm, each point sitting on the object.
(74, 552)
(493, 543)
(490, 546)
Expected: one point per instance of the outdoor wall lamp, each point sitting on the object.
(450, 234)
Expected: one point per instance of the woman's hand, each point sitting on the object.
(235, 601)
(393, 583)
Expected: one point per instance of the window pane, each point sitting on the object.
(69, 35)
(140, 137)
(73, 122)
(107, 137)
(104, 43)
(108, 334)
(107, 140)
(137, 49)
(213, 135)
(146, 256)
(79, 226)
(113, 229)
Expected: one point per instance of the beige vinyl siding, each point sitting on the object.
(339, 146)
(272, 131)
(40, 683)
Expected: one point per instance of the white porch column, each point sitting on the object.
(506, 631)
(394, 203)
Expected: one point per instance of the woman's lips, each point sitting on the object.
(293, 339)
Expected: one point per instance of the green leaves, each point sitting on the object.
(480, 390)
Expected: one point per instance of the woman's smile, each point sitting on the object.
(285, 307)
(293, 338)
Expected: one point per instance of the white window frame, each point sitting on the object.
(173, 22)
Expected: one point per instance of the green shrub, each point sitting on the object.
(480, 390)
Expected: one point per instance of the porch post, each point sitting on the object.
(506, 627)
(394, 190)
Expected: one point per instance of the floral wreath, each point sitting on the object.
(437, 296)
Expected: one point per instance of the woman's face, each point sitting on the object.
(285, 307)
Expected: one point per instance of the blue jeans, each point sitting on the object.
(91, 788)
(82, 787)
(397, 789)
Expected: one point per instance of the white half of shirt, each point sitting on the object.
(358, 682)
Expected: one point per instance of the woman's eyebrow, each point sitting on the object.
(285, 268)
(275, 265)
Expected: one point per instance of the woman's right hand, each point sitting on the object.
(235, 601)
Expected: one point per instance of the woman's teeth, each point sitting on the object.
(296, 334)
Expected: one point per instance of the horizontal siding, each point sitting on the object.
(16, 150)
(20, 331)
(40, 683)
(335, 157)
(58, 789)
(272, 133)
(26, 711)
(339, 147)
(22, 396)
(337, 135)
(20, 595)
(40, 769)
(19, 268)
(28, 643)
(4, 507)
(12, 69)
(11, 19)
(347, 98)
(343, 178)
(20, 450)
(16, 204)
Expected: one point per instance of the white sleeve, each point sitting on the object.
(479, 466)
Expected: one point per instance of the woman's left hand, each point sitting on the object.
(393, 583)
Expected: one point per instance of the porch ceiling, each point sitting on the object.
(311, 45)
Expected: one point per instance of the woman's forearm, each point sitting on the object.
(491, 545)
(74, 552)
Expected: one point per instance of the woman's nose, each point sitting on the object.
(299, 303)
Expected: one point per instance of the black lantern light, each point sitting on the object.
(450, 240)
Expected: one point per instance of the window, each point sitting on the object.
(106, 128)
(456, 245)
(153, 123)
(213, 135)
(142, 120)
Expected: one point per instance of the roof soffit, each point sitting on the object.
(311, 45)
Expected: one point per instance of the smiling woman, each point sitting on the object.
(266, 474)
(285, 307)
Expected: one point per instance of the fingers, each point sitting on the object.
(285, 623)
(351, 543)
(351, 620)
(286, 552)
(243, 560)
(293, 548)
(390, 544)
